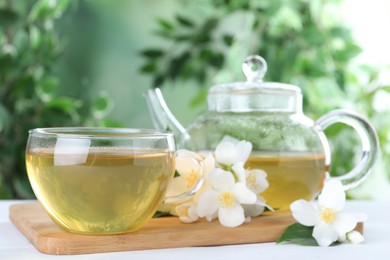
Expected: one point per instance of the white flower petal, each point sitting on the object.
(355, 237)
(253, 210)
(260, 173)
(167, 207)
(325, 234)
(229, 139)
(187, 212)
(205, 186)
(342, 238)
(344, 223)
(305, 212)
(211, 217)
(209, 164)
(207, 203)
(187, 165)
(332, 195)
(177, 186)
(239, 170)
(225, 153)
(243, 194)
(261, 202)
(182, 153)
(221, 180)
(231, 216)
(256, 180)
(243, 150)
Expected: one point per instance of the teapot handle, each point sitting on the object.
(369, 142)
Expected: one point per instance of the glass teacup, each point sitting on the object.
(100, 180)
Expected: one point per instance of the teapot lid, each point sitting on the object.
(254, 93)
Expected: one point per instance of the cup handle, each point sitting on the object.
(196, 187)
(369, 142)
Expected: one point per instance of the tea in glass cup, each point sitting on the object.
(100, 180)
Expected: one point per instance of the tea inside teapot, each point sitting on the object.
(290, 175)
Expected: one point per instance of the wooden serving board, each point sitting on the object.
(167, 232)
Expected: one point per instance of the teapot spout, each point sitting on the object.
(162, 117)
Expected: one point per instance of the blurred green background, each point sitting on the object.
(72, 63)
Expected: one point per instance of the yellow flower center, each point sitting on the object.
(251, 181)
(191, 179)
(227, 199)
(327, 215)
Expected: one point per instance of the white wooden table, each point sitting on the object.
(13, 245)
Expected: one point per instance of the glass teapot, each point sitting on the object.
(290, 147)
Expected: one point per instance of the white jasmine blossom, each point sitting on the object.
(231, 151)
(187, 212)
(254, 210)
(256, 180)
(355, 237)
(225, 198)
(229, 192)
(189, 169)
(238, 171)
(330, 224)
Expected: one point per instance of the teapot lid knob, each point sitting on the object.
(254, 68)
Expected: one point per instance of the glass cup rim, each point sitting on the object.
(99, 132)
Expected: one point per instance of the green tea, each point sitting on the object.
(291, 176)
(107, 190)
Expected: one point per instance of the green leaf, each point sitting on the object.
(166, 25)
(201, 38)
(184, 21)
(187, 71)
(217, 60)
(109, 122)
(385, 88)
(5, 191)
(47, 9)
(23, 187)
(350, 51)
(228, 40)
(177, 174)
(183, 37)
(47, 88)
(149, 68)
(152, 53)
(177, 64)
(4, 118)
(205, 54)
(340, 32)
(160, 214)
(21, 42)
(201, 77)
(210, 24)
(298, 234)
(61, 6)
(158, 80)
(102, 105)
(199, 99)
(35, 37)
(39, 9)
(7, 17)
(65, 104)
(5, 61)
